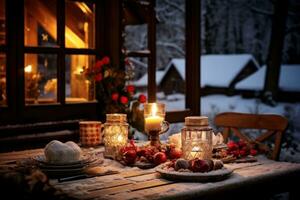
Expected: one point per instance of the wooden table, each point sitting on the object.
(248, 179)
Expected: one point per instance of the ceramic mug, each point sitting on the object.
(90, 133)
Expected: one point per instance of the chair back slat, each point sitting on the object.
(256, 121)
(274, 124)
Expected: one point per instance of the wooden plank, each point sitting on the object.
(128, 187)
(153, 193)
(129, 174)
(111, 185)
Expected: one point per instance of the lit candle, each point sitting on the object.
(153, 122)
(195, 151)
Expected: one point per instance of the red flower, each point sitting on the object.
(98, 64)
(124, 100)
(115, 96)
(105, 60)
(98, 77)
(130, 88)
(142, 98)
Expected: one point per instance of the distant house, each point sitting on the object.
(289, 79)
(217, 71)
(141, 84)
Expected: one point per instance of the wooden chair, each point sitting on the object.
(273, 124)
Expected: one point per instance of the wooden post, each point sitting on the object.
(152, 56)
(193, 54)
(275, 48)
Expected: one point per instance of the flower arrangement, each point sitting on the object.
(113, 92)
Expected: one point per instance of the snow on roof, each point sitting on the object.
(144, 79)
(216, 70)
(289, 79)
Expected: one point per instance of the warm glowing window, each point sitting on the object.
(2, 22)
(40, 78)
(43, 67)
(80, 25)
(2, 55)
(2, 79)
(40, 23)
(78, 88)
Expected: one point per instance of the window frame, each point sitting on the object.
(16, 111)
(192, 40)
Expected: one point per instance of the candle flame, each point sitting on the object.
(154, 109)
(120, 138)
(195, 149)
(28, 69)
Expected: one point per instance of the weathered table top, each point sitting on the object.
(134, 183)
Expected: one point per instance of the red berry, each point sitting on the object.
(232, 145)
(198, 165)
(105, 60)
(243, 153)
(130, 88)
(142, 98)
(141, 152)
(175, 153)
(129, 156)
(124, 100)
(235, 153)
(253, 152)
(159, 158)
(242, 144)
(115, 96)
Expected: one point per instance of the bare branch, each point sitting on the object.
(292, 29)
(172, 45)
(260, 11)
(174, 5)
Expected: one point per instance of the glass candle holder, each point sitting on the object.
(196, 138)
(115, 134)
(155, 124)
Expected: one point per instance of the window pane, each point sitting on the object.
(78, 87)
(80, 25)
(40, 23)
(137, 69)
(40, 78)
(2, 22)
(136, 37)
(170, 54)
(2, 79)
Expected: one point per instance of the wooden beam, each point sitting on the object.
(192, 56)
(275, 48)
(152, 49)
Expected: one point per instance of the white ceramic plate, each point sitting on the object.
(86, 159)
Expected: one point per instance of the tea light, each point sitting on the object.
(195, 151)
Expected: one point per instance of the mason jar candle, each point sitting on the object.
(115, 134)
(196, 138)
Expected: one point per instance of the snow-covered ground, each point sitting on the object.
(213, 104)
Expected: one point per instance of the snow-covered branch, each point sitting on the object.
(172, 45)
